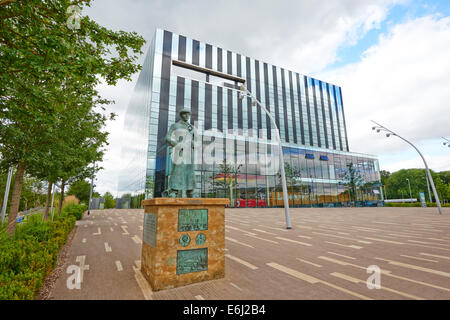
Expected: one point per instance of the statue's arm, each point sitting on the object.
(169, 139)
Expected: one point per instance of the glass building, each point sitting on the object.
(179, 72)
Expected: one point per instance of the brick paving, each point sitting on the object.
(324, 256)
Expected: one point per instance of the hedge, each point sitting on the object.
(414, 204)
(29, 256)
(75, 210)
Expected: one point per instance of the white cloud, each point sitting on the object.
(402, 82)
(435, 162)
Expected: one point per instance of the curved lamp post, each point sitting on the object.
(245, 93)
(446, 142)
(379, 128)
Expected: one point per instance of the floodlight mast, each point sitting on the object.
(244, 92)
(390, 132)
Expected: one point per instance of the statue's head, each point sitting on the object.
(185, 114)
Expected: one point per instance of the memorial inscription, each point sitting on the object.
(150, 226)
(194, 260)
(192, 219)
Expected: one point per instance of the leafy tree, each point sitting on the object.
(293, 178)
(228, 182)
(384, 176)
(353, 180)
(109, 200)
(80, 189)
(48, 70)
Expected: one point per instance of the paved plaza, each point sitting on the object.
(324, 256)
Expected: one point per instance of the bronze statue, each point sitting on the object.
(180, 154)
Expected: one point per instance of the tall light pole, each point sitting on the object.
(5, 198)
(410, 195)
(245, 93)
(385, 194)
(379, 128)
(90, 192)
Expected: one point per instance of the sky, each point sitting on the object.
(391, 58)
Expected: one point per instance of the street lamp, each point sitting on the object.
(410, 196)
(379, 128)
(446, 142)
(245, 93)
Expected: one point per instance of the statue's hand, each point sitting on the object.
(171, 143)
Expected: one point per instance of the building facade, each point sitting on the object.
(236, 149)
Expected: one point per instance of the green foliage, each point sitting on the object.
(109, 201)
(81, 190)
(353, 180)
(397, 186)
(75, 210)
(30, 255)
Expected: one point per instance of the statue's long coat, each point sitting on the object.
(181, 176)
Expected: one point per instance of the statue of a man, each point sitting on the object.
(180, 165)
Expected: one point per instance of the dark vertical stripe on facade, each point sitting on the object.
(299, 97)
(219, 59)
(337, 117)
(316, 112)
(180, 97)
(239, 101)
(330, 108)
(230, 108)
(324, 119)
(208, 106)
(275, 96)
(294, 120)
(248, 83)
(229, 63)
(343, 117)
(258, 96)
(194, 101)
(219, 109)
(308, 110)
(283, 95)
(208, 63)
(160, 171)
(267, 97)
(195, 52)
(182, 48)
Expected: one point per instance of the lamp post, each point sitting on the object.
(244, 92)
(410, 195)
(379, 128)
(90, 191)
(385, 194)
(5, 198)
(446, 142)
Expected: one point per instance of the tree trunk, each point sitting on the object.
(15, 199)
(47, 203)
(61, 197)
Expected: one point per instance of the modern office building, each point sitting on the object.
(180, 72)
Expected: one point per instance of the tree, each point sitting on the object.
(48, 70)
(353, 180)
(384, 176)
(293, 178)
(80, 189)
(109, 200)
(229, 173)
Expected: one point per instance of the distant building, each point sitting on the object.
(180, 72)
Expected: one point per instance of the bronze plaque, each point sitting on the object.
(194, 260)
(150, 226)
(192, 219)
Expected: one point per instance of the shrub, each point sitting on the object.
(74, 209)
(70, 199)
(30, 255)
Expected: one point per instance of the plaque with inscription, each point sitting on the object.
(192, 260)
(192, 219)
(150, 225)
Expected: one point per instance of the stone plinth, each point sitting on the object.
(183, 241)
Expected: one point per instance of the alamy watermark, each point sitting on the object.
(73, 21)
(374, 280)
